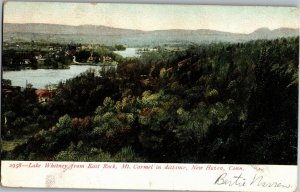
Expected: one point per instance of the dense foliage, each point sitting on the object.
(217, 103)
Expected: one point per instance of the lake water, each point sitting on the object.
(39, 78)
(129, 52)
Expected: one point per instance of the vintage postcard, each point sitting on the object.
(149, 96)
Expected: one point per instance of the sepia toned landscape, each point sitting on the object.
(149, 83)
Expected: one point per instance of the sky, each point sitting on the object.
(150, 17)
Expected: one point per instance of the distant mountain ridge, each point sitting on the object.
(65, 29)
(111, 35)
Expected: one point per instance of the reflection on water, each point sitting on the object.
(129, 52)
(39, 78)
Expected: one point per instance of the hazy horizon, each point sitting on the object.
(151, 30)
(153, 17)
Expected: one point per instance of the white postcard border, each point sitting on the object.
(148, 176)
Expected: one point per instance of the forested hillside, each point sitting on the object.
(216, 103)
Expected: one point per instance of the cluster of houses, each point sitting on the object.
(25, 57)
(28, 53)
(93, 59)
(105, 59)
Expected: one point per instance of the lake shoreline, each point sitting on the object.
(64, 68)
(39, 78)
(43, 76)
